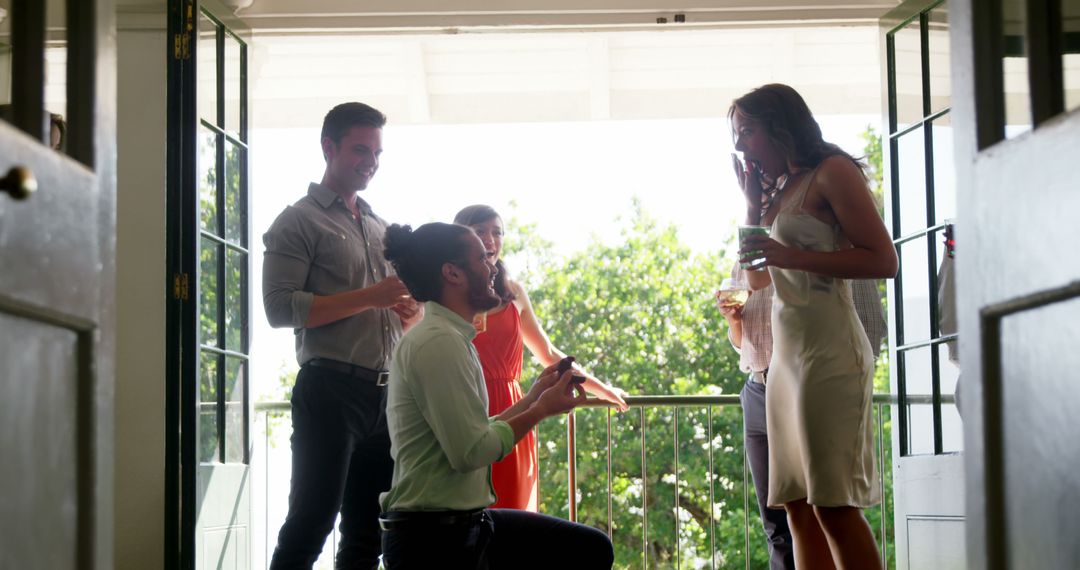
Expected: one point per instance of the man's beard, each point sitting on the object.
(480, 299)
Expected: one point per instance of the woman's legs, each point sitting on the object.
(811, 545)
(850, 537)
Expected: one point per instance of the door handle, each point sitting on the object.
(19, 183)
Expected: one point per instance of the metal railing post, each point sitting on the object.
(610, 526)
(712, 493)
(676, 403)
(881, 482)
(266, 488)
(571, 466)
(746, 508)
(678, 539)
(536, 431)
(644, 497)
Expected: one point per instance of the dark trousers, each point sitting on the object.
(504, 538)
(756, 440)
(340, 463)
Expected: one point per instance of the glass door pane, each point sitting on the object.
(923, 198)
(1018, 119)
(907, 50)
(5, 54)
(1070, 59)
(222, 186)
(220, 511)
(939, 55)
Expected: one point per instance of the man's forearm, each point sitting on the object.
(326, 309)
(735, 333)
(518, 407)
(523, 421)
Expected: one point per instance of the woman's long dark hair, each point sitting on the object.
(789, 125)
(478, 214)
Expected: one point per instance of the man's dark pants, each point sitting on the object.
(340, 462)
(497, 539)
(756, 440)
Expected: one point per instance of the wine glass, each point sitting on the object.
(732, 293)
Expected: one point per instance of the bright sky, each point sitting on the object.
(572, 179)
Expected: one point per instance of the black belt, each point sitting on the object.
(379, 377)
(412, 519)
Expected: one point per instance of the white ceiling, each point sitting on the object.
(398, 14)
(544, 76)
(470, 61)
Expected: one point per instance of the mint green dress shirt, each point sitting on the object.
(441, 438)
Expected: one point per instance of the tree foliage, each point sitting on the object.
(640, 315)
(873, 158)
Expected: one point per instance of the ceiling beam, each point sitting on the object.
(381, 16)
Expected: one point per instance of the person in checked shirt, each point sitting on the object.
(750, 332)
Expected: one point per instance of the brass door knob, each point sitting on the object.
(19, 183)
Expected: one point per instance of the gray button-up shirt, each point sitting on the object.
(314, 247)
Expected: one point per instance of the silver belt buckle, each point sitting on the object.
(382, 378)
(759, 377)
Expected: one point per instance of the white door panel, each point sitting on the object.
(928, 465)
(1020, 278)
(216, 331)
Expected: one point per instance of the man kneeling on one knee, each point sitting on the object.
(442, 440)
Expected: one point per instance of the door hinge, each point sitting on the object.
(182, 46)
(182, 41)
(180, 286)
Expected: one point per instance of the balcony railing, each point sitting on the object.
(647, 414)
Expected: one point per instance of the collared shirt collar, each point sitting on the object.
(434, 309)
(326, 197)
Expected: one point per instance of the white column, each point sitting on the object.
(140, 287)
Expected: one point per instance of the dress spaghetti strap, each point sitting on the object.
(800, 193)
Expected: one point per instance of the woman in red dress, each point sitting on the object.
(501, 334)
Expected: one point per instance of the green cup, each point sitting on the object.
(744, 233)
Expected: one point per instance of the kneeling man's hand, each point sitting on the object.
(560, 394)
(548, 378)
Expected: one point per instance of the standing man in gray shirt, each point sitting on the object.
(324, 276)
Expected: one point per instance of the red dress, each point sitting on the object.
(500, 350)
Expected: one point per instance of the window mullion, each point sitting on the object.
(222, 261)
(245, 292)
(931, 217)
(1046, 76)
(898, 290)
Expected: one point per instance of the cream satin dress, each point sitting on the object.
(820, 382)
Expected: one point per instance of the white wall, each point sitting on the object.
(140, 288)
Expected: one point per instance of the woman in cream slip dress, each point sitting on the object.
(821, 377)
(824, 230)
